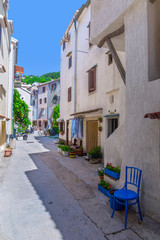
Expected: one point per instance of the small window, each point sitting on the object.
(33, 102)
(112, 125)
(45, 100)
(45, 124)
(40, 101)
(69, 94)
(64, 45)
(40, 125)
(43, 89)
(92, 79)
(110, 58)
(54, 87)
(62, 126)
(70, 62)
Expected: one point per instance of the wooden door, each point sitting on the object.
(92, 135)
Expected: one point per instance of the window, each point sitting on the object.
(110, 58)
(40, 125)
(40, 101)
(45, 100)
(69, 94)
(89, 27)
(64, 45)
(70, 62)
(92, 79)
(43, 89)
(54, 87)
(112, 125)
(45, 124)
(33, 102)
(62, 126)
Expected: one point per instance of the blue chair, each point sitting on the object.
(128, 197)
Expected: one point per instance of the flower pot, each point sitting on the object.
(118, 207)
(79, 152)
(101, 178)
(8, 152)
(103, 190)
(72, 155)
(65, 154)
(112, 174)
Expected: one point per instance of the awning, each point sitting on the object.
(155, 115)
(3, 118)
(112, 115)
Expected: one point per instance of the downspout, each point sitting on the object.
(75, 67)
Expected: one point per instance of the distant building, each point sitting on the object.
(44, 98)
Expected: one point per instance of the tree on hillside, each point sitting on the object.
(56, 114)
(53, 75)
(20, 112)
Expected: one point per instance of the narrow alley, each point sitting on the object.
(46, 196)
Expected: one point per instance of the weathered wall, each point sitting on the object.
(142, 135)
(103, 14)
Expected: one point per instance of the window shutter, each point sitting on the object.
(92, 79)
(69, 94)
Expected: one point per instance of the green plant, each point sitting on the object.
(114, 169)
(56, 115)
(65, 148)
(105, 185)
(100, 119)
(61, 142)
(96, 152)
(20, 113)
(100, 172)
(100, 128)
(59, 146)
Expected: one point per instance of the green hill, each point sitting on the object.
(42, 79)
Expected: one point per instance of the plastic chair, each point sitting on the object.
(128, 197)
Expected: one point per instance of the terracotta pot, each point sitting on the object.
(101, 177)
(79, 152)
(8, 152)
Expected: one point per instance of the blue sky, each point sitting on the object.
(39, 26)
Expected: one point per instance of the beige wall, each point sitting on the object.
(4, 79)
(139, 142)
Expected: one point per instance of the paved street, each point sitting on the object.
(44, 196)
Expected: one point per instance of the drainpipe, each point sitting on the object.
(75, 66)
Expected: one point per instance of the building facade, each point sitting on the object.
(6, 78)
(133, 26)
(92, 91)
(44, 98)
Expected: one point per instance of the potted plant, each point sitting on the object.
(100, 172)
(118, 206)
(61, 132)
(95, 155)
(59, 148)
(79, 151)
(100, 119)
(104, 187)
(65, 150)
(100, 128)
(72, 153)
(112, 171)
(8, 151)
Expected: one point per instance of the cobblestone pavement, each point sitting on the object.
(44, 196)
